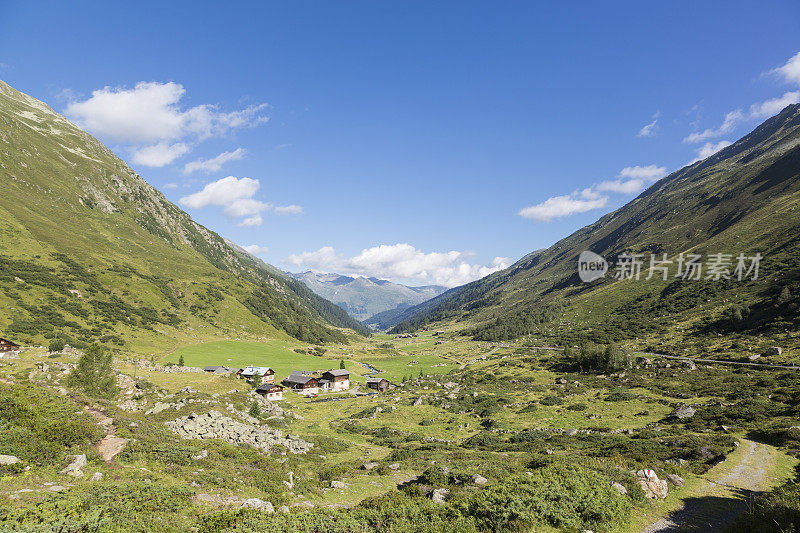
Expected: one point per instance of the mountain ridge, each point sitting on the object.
(745, 195)
(91, 250)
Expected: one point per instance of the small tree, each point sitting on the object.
(255, 410)
(56, 345)
(181, 361)
(94, 373)
(342, 365)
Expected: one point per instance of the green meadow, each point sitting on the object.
(276, 354)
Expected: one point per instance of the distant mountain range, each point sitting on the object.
(742, 200)
(364, 298)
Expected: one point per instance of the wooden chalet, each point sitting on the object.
(270, 391)
(306, 385)
(8, 346)
(217, 369)
(336, 380)
(378, 384)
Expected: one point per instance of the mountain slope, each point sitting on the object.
(89, 250)
(743, 199)
(364, 297)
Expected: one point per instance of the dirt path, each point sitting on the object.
(110, 445)
(725, 494)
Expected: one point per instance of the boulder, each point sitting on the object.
(283, 509)
(676, 480)
(774, 350)
(479, 479)
(439, 495)
(369, 466)
(335, 484)
(97, 476)
(619, 488)
(6, 460)
(75, 467)
(753, 357)
(683, 412)
(258, 503)
(57, 488)
(394, 466)
(571, 432)
(653, 487)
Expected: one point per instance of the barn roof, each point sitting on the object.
(338, 372)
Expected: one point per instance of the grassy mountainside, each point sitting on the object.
(743, 199)
(89, 250)
(364, 298)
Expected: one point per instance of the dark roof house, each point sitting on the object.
(8, 346)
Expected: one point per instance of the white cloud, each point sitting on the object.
(150, 115)
(159, 154)
(731, 120)
(790, 71)
(648, 172)
(215, 163)
(171, 185)
(255, 249)
(250, 222)
(649, 130)
(630, 180)
(709, 149)
(236, 197)
(561, 206)
(401, 262)
(774, 106)
(222, 192)
(288, 210)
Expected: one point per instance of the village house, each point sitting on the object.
(335, 380)
(270, 391)
(258, 374)
(378, 384)
(8, 346)
(305, 385)
(217, 369)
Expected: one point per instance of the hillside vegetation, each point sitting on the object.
(745, 199)
(89, 250)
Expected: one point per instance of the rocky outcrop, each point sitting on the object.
(653, 487)
(6, 460)
(214, 425)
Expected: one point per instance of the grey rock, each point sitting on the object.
(774, 350)
(439, 495)
(479, 479)
(394, 466)
(6, 460)
(571, 432)
(684, 412)
(257, 503)
(74, 468)
(676, 480)
(284, 509)
(338, 484)
(97, 476)
(619, 488)
(369, 466)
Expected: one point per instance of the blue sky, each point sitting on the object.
(404, 139)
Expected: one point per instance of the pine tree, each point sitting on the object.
(94, 373)
(342, 365)
(255, 410)
(180, 361)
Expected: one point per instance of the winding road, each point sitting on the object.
(728, 488)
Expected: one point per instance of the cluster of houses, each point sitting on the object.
(303, 382)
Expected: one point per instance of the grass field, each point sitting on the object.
(276, 354)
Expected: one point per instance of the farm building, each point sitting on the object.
(259, 374)
(217, 369)
(8, 346)
(378, 384)
(270, 391)
(300, 384)
(338, 379)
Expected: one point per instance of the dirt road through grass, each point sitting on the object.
(725, 493)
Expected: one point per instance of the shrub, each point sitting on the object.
(56, 345)
(94, 373)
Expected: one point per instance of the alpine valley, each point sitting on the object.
(155, 376)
